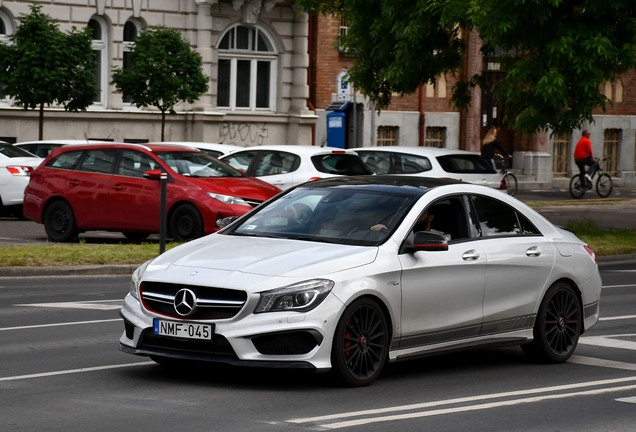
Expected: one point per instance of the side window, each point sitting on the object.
(66, 160)
(446, 216)
(135, 164)
(99, 161)
(496, 218)
(240, 161)
(273, 162)
(379, 162)
(410, 164)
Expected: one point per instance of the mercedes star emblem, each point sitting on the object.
(185, 302)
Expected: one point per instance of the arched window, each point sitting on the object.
(6, 29)
(247, 70)
(100, 51)
(131, 29)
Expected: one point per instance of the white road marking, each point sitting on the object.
(93, 305)
(615, 318)
(59, 324)
(609, 341)
(628, 400)
(591, 361)
(464, 400)
(74, 371)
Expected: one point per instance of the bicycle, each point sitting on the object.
(509, 178)
(604, 184)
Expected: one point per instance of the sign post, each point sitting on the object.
(162, 220)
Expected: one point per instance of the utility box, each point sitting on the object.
(336, 120)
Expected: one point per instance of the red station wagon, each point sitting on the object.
(114, 187)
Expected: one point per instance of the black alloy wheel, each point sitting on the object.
(186, 223)
(557, 327)
(361, 343)
(59, 222)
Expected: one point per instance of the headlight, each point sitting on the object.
(300, 297)
(228, 199)
(136, 277)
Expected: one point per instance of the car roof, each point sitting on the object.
(302, 150)
(398, 183)
(423, 151)
(205, 145)
(62, 141)
(153, 147)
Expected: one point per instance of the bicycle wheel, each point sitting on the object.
(604, 185)
(576, 189)
(511, 183)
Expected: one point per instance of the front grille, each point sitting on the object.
(211, 304)
(289, 343)
(218, 346)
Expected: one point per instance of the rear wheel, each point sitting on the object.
(136, 237)
(576, 190)
(361, 343)
(604, 185)
(511, 183)
(186, 223)
(59, 222)
(557, 327)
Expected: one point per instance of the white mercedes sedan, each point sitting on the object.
(349, 273)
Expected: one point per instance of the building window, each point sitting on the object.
(560, 154)
(131, 30)
(5, 30)
(435, 137)
(344, 32)
(100, 51)
(387, 136)
(247, 70)
(610, 151)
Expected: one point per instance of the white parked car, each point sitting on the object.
(213, 149)
(16, 165)
(44, 147)
(432, 162)
(342, 274)
(285, 166)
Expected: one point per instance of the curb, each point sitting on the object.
(128, 269)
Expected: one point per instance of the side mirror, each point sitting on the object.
(222, 223)
(427, 241)
(154, 174)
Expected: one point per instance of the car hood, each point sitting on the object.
(243, 187)
(33, 162)
(266, 256)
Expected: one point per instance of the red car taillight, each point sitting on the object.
(591, 252)
(20, 170)
(502, 185)
(314, 178)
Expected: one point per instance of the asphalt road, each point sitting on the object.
(62, 371)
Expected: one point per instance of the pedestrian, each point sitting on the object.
(490, 143)
(583, 157)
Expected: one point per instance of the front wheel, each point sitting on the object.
(604, 185)
(361, 343)
(59, 222)
(557, 326)
(576, 190)
(511, 183)
(186, 223)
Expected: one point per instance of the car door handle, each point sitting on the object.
(471, 255)
(534, 251)
(74, 182)
(118, 187)
(278, 182)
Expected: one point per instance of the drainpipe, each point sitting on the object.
(310, 45)
(420, 101)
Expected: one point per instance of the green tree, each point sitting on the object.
(566, 49)
(165, 71)
(41, 65)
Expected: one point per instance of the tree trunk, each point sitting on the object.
(41, 122)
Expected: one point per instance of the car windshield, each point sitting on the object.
(465, 164)
(340, 163)
(331, 215)
(11, 151)
(197, 164)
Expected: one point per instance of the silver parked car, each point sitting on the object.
(349, 273)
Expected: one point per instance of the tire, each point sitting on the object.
(59, 222)
(361, 343)
(136, 237)
(186, 223)
(604, 185)
(557, 327)
(511, 184)
(575, 188)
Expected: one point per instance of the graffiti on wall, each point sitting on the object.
(242, 133)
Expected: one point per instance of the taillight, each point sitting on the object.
(338, 151)
(20, 170)
(591, 252)
(314, 178)
(502, 185)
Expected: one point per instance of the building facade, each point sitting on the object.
(254, 52)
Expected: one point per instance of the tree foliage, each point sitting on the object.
(41, 65)
(165, 71)
(566, 50)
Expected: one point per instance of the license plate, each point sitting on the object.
(183, 329)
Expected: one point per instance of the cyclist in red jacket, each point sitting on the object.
(583, 157)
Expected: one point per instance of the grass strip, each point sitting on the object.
(603, 241)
